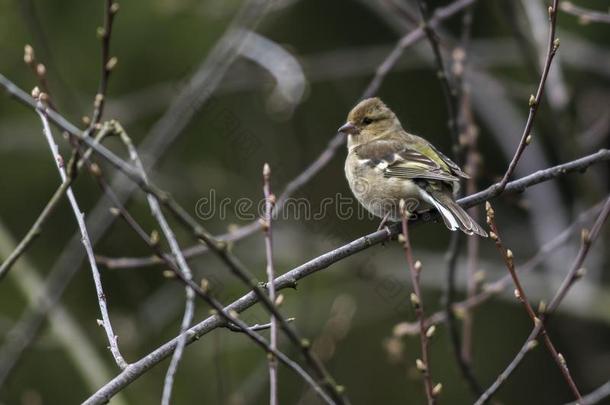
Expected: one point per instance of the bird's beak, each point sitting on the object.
(348, 129)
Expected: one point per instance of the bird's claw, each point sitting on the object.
(387, 230)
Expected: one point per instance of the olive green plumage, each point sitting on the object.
(386, 164)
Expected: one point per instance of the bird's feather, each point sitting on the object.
(400, 160)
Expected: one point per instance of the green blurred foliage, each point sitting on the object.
(163, 42)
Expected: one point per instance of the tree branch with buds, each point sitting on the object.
(417, 301)
(520, 294)
(105, 321)
(576, 271)
(269, 202)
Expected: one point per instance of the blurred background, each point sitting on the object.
(278, 96)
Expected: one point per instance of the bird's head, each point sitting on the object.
(368, 120)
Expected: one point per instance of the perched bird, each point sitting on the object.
(386, 164)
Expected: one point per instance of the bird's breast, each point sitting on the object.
(377, 193)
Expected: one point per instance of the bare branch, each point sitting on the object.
(509, 261)
(72, 335)
(584, 15)
(40, 72)
(540, 176)
(417, 300)
(256, 327)
(178, 257)
(36, 228)
(595, 397)
(573, 275)
(534, 101)
(105, 322)
(107, 63)
(409, 39)
(269, 203)
(472, 162)
(442, 73)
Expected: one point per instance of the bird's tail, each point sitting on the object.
(454, 216)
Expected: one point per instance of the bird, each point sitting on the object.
(385, 164)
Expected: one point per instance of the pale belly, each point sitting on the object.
(380, 195)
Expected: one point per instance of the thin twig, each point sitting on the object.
(187, 319)
(114, 263)
(440, 14)
(594, 397)
(255, 327)
(584, 14)
(468, 137)
(449, 93)
(470, 134)
(182, 265)
(417, 300)
(107, 63)
(36, 228)
(269, 202)
(26, 329)
(451, 319)
(40, 71)
(575, 272)
(472, 244)
(105, 322)
(507, 255)
(71, 335)
(534, 101)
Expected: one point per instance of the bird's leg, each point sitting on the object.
(384, 220)
(383, 225)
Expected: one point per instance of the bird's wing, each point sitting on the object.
(398, 160)
(426, 147)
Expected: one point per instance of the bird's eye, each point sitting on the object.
(367, 120)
